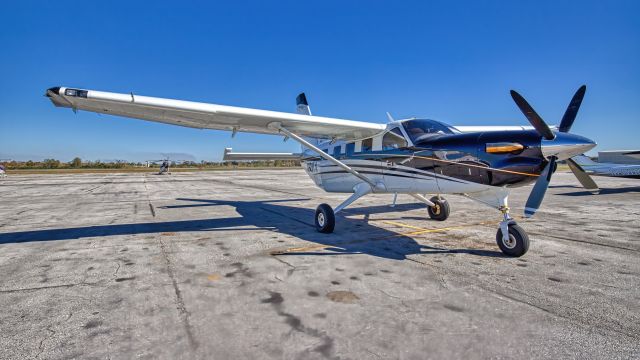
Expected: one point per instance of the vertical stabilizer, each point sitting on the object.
(302, 106)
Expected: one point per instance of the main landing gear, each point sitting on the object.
(325, 218)
(511, 238)
(440, 209)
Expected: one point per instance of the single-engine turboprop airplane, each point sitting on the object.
(410, 156)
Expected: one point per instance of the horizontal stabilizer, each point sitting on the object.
(231, 156)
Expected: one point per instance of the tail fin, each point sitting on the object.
(583, 160)
(302, 105)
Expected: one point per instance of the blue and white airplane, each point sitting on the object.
(583, 167)
(410, 156)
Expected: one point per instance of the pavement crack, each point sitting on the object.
(115, 273)
(41, 345)
(183, 313)
(50, 287)
(389, 295)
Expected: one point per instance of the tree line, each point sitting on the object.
(78, 163)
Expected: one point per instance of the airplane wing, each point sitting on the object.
(210, 116)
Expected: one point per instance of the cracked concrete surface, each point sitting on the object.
(229, 265)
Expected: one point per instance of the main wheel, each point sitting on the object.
(518, 242)
(325, 219)
(441, 209)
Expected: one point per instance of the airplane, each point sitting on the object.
(3, 170)
(588, 168)
(409, 156)
(164, 165)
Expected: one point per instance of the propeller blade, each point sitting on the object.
(572, 110)
(539, 189)
(532, 116)
(584, 178)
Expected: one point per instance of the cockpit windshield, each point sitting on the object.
(422, 129)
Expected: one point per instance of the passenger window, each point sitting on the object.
(336, 150)
(367, 144)
(350, 148)
(393, 140)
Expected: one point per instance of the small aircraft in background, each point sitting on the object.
(409, 156)
(3, 168)
(165, 164)
(583, 167)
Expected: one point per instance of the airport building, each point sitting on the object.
(619, 156)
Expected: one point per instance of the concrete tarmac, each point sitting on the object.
(228, 265)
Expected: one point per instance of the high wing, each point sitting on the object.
(210, 116)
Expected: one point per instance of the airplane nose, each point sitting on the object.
(566, 145)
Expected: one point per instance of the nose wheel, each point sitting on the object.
(511, 238)
(516, 244)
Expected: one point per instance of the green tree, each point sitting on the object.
(51, 163)
(76, 162)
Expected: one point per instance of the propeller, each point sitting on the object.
(540, 188)
(541, 127)
(572, 110)
(585, 180)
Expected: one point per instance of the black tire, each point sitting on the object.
(325, 219)
(518, 244)
(441, 209)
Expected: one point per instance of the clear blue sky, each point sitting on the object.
(451, 61)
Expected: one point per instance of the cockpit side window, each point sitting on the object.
(422, 129)
(393, 140)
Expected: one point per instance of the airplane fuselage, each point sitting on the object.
(446, 163)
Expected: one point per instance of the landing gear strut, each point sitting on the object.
(325, 216)
(511, 238)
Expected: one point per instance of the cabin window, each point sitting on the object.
(350, 148)
(76, 93)
(367, 145)
(393, 140)
(336, 150)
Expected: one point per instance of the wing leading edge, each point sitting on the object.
(209, 116)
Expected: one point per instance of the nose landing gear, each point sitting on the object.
(511, 238)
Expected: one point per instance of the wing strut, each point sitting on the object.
(327, 156)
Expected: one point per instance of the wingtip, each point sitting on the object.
(53, 90)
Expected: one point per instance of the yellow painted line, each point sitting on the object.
(458, 227)
(425, 231)
(417, 231)
(214, 277)
(302, 249)
(402, 225)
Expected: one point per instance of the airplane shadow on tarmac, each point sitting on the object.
(352, 236)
